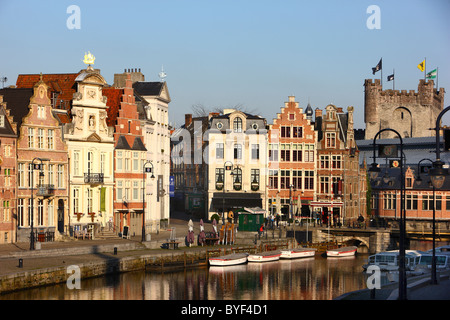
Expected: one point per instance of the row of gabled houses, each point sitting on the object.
(303, 164)
(73, 151)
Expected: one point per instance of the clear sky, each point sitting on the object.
(218, 53)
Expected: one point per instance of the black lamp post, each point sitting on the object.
(433, 261)
(437, 175)
(145, 170)
(39, 167)
(227, 166)
(374, 170)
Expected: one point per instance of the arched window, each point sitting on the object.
(237, 124)
(237, 179)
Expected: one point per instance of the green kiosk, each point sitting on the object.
(251, 219)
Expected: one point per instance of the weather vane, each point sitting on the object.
(162, 74)
(89, 58)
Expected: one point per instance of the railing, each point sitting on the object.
(45, 190)
(93, 178)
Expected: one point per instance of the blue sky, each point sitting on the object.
(253, 53)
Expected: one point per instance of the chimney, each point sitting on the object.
(318, 113)
(187, 119)
(213, 114)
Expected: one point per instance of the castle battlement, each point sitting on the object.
(410, 111)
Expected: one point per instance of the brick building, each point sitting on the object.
(341, 182)
(40, 137)
(129, 157)
(292, 151)
(8, 174)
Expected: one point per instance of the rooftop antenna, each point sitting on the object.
(162, 75)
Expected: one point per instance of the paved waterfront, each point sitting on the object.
(49, 257)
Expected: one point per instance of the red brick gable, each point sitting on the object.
(114, 96)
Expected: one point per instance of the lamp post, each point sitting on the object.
(145, 170)
(41, 174)
(374, 171)
(227, 166)
(433, 261)
(437, 175)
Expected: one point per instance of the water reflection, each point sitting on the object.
(316, 278)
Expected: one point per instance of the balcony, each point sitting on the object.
(93, 178)
(45, 190)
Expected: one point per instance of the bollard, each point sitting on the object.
(115, 251)
(20, 263)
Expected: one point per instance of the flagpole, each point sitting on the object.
(425, 69)
(381, 73)
(437, 79)
(393, 81)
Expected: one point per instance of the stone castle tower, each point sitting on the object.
(411, 113)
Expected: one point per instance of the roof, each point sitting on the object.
(148, 88)
(138, 145)
(114, 96)
(122, 144)
(7, 129)
(62, 83)
(18, 101)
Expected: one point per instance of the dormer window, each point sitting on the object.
(2, 121)
(237, 124)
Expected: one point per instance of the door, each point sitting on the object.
(61, 216)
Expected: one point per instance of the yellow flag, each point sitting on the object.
(421, 66)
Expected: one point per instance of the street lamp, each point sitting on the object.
(145, 170)
(433, 261)
(227, 166)
(374, 170)
(39, 167)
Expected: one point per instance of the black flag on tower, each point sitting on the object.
(378, 67)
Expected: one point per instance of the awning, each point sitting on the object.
(236, 199)
(326, 204)
(255, 210)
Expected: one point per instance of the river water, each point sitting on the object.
(318, 278)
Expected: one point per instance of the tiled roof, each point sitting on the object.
(114, 96)
(62, 83)
(17, 101)
(138, 145)
(122, 144)
(148, 88)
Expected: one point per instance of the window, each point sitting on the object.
(20, 212)
(237, 151)
(51, 168)
(135, 161)
(40, 212)
(237, 124)
(309, 153)
(76, 200)
(273, 179)
(90, 199)
(127, 161)
(119, 160)
(119, 190)
(6, 211)
(40, 138)
(297, 179)
(135, 190)
(60, 176)
(411, 202)
(237, 178)
(219, 175)
(2, 121)
(285, 152)
(336, 162)
(297, 152)
(30, 175)
(447, 207)
(285, 179)
(389, 201)
(50, 134)
(90, 161)
(76, 163)
(255, 151)
(297, 132)
(285, 132)
(50, 212)
(324, 185)
(21, 176)
(309, 180)
(273, 152)
(219, 151)
(292, 116)
(41, 112)
(254, 179)
(331, 140)
(102, 162)
(408, 183)
(30, 138)
(324, 162)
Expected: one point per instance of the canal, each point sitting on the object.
(318, 278)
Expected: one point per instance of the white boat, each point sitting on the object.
(342, 252)
(389, 260)
(298, 253)
(425, 261)
(443, 249)
(229, 259)
(265, 256)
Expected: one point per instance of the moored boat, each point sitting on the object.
(229, 259)
(298, 253)
(389, 260)
(265, 256)
(342, 252)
